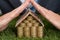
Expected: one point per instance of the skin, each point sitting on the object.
(5, 19)
(48, 14)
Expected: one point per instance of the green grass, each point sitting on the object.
(50, 32)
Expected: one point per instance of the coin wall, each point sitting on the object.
(30, 27)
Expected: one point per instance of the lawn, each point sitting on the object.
(50, 32)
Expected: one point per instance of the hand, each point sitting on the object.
(32, 1)
(27, 0)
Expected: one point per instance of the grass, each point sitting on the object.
(50, 32)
